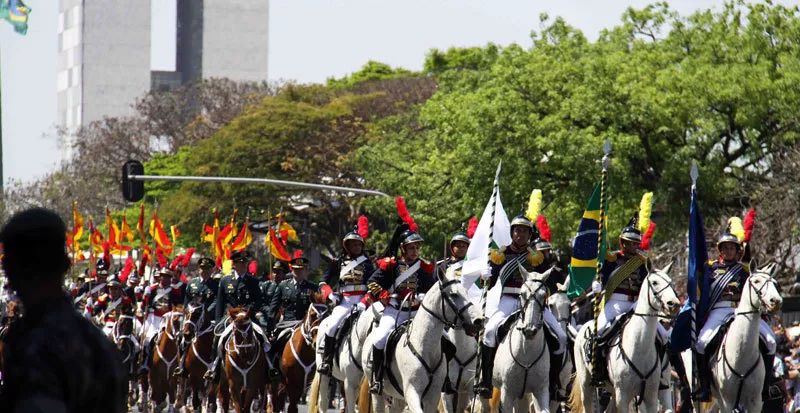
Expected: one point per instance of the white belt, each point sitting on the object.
(623, 297)
(353, 287)
(725, 304)
(512, 290)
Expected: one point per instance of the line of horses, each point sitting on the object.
(418, 366)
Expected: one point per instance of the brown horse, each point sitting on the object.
(165, 359)
(198, 331)
(298, 361)
(245, 364)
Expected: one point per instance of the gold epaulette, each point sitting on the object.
(496, 256)
(535, 257)
(611, 256)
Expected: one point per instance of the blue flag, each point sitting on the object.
(684, 334)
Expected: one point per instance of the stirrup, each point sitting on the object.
(376, 387)
(324, 368)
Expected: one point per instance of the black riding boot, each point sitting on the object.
(555, 374)
(327, 355)
(484, 383)
(771, 390)
(376, 387)
(599, 367)
(703, 393)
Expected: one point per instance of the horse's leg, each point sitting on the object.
(507, 400)
(541, 399)
(323, 395)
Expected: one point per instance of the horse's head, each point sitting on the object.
(560, 303)
(454, 308)
(661, 295)
(533, 298)
(174, 320)
(240, 317)
(761, 290)
(193, 318)
(316, 312)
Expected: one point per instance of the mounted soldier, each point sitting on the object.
(108, 306)
(159, 299)
(727, 275)
(240, 289)
(201, 290)
(268, 287)
(622, 276)
(504, 268)
(93, 288)
(348, 275)
(400, 284)
(293, 296)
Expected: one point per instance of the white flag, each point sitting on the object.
(478, 252)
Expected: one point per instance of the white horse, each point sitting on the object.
(348, 367)
(737, 367)
(418, 359)
(560, 306)
(523, 364)
(461, 371)
(633, 365)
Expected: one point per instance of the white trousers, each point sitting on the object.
(331, 324)
(616, 307)
(718, 316)
(391, 318)
(508, 304)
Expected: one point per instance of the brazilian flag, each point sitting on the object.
(16, 13)
(583, 266)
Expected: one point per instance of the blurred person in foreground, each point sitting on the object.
(56, 361)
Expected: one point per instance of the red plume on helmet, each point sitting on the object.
(297, 254)
(363, 227)
(402, 211)
(544, 228)
(472, 226)
(648, 236)
(187, 258)
(749, 223)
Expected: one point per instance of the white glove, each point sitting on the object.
(361, 307)
(334, 299)
(596, 287)
(486, 274)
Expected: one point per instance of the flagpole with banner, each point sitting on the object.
(691, 281)
(600, 244)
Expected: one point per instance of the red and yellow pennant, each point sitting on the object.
(244, 238)
(159, 235)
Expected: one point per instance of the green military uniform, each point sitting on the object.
(294, 296)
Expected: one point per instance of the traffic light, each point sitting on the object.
(132, 190)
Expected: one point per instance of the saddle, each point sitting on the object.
(344, 332)
(391, 346)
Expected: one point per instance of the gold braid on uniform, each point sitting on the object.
(496, 256)
(535, 257)
(611, 256)
(374, 289)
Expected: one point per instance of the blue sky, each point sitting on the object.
(309, 42)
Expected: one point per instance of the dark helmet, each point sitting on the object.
(523, 221)
(101, 268)
(728, 237)
(240, 256)
(410, 237)
(280, 266)
(541, 244)
(353, 235)
(205, 262)
(113, 281)
(631, 232)
(459, 236)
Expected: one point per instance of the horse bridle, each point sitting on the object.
(656, 293)
(119, 338)
(526, 301)
(759, 292)
(458, 319)
(188, 321)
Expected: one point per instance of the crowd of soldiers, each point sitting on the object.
(398, 279)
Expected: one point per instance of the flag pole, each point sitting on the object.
(269, 250)
(600, 260)
(485, 292)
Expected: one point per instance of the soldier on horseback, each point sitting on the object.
(727, 275)
(293, 295)
(201, 290)
(399, 283)
(268, 287)
(622, 276)
(504, 268)
(93, 288)
(348, 274)
(240, 289)
(109, 305)
(159, 299)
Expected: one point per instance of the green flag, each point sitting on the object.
(16, 13)
(583, 266)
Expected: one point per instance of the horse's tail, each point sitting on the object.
(313, 394)
(576, 395)
(364, 399)
(494, 402)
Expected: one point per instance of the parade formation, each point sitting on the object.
(396, 329)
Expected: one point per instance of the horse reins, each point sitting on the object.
(535, 332)
(168, 331)
(236, 346)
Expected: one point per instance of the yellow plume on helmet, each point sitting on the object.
(735, 227)
(534, 205)
(645, 208)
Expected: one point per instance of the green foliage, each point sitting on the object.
(372, 70)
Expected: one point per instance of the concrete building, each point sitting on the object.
(104, 52)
